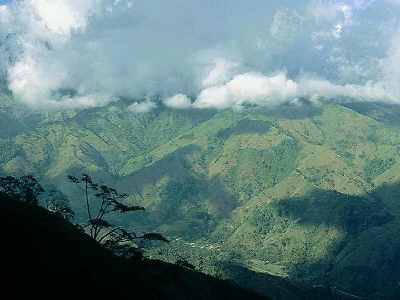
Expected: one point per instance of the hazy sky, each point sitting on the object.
(209, 53)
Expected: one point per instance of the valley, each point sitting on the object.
(307, 192)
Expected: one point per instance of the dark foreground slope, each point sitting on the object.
(43, 255)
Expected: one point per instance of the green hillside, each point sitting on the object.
(43, 255)
(308, 192)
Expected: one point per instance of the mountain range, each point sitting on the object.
(305, 193)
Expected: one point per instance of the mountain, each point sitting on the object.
(304, 192)
(43, 255)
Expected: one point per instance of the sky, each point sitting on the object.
(58, 54)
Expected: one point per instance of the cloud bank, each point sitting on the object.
(199, 54)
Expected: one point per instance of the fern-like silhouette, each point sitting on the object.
(109, 200)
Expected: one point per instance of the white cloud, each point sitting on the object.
(142, 107)
(332, 17)
(390, 66)
(4, 14)
(249, 88)
(103, 49)
(220, 71)
(178, 101)
(262, 90)
(30, 82)
(326, 89)
(285, 24)
(61, 17)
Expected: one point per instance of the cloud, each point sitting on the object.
(84, 53)
(178, 101)
(251, 88)
(59, 16)
(258, 89)
(4, 12)
(323, 88)
(142, 107)
(389, 66)
(220, 70)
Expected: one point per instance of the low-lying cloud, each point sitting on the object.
(199, 54)
(258, 89)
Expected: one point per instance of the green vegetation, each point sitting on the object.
(109, 201)
(308, 193)
(376, 167)
(43, 255)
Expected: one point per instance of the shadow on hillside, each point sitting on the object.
(301, 110)
(279, 288)
(189, 205)
(365, 258)
(389, 114)
(43, 255)
(86, 117)
(245, 126)
(349, 214)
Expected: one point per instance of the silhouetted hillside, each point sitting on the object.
(42, 255)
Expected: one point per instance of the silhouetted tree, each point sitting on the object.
(58, 203)
(28, 189)
(109, 200)
(185, 264)
(25, 188)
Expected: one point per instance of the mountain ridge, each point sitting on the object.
(257, 183)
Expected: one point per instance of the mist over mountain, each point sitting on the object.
(261, 137)
(210, 54)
